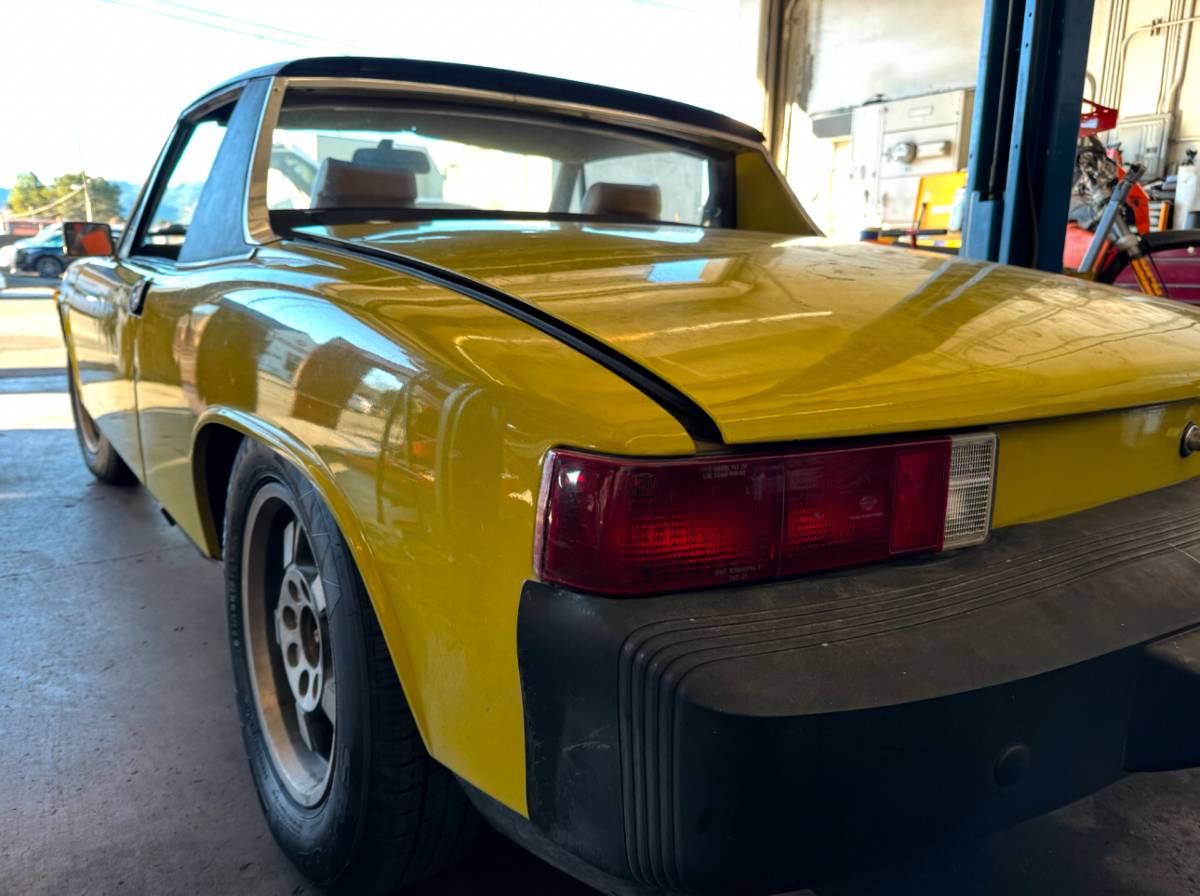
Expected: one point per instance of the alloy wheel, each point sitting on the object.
(288, 650)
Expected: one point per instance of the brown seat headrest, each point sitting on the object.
(623, 201)
(341, 184)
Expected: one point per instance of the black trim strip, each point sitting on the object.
(478, 77)
(286, 219)
(693, 418)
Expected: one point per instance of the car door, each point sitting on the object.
(97, 300)
(189, 245)
(105, 299)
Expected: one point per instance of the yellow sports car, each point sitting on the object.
(564, 476)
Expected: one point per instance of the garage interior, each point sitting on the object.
(950, 124)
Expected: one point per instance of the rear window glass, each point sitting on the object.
(392, 154)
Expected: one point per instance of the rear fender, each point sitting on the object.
(318, 474)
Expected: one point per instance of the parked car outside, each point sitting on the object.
(42, 254)
(600, 497)
(23, 256)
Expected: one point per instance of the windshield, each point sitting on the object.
(411, 159)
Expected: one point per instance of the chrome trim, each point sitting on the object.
(539, 530)
(257, 225)
(203, 263)
(138, 210)
(653, 123)
(1189, 441)
(217, 98)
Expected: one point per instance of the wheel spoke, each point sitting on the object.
(291, 543)
(302, 720)
(329, 700)
(313, 576)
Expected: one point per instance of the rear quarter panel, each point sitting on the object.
(423, 418)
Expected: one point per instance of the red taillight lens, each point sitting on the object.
(627, 526)
(919, 513)
(624, 526)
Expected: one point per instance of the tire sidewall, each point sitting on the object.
(318, 839)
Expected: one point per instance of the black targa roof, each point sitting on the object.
(452, 74)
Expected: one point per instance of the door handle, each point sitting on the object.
(137, 296)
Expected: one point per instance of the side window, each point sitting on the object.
(165, 227)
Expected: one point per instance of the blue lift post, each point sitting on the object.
(1024, 130)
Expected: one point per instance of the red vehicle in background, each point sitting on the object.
(1110, 234)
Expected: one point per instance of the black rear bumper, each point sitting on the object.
(766, 738)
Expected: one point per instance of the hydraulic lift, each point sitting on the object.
(1032, 60)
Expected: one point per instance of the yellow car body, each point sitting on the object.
(423, 415)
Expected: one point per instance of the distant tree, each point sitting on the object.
(29, 194)
(106, 197)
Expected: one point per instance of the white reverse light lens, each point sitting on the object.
(972, 478)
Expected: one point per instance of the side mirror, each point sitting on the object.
(83, 238)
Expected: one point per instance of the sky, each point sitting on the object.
(97, 84)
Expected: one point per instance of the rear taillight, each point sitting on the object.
(615, 525)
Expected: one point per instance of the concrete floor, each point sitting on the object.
(121, 765)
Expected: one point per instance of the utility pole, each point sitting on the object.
(87, 191)
(87, 198)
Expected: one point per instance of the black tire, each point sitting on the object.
(389, 816)
(99, 456)
(49, 266)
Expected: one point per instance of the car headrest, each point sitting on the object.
(341, 184)
(623, 201)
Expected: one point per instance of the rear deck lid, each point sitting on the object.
(781, 339)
